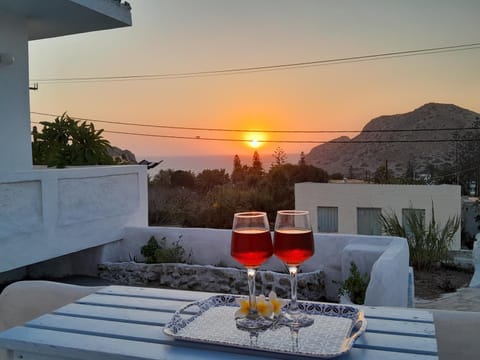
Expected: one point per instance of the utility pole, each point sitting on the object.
(386, 171)
(478, 182)
(457, 172)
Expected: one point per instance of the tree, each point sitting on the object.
(238, 172)
(336, 176)
(237, 163)
(383, 175)
(411, 177)
(182, 178)
(310, 173)
(410, 172)
(163, 178)
(302, 161)
(208, 179)
(177, 206)
(66, 141)
(467, 153)
(257, 166)
(280, 185)
(280, 182)
(223, 201)
(255, 172)
(279, 157)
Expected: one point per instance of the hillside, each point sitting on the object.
(373, 149)
(123, 156)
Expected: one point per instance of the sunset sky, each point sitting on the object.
(192, 36)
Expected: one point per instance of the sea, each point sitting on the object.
(197, 164)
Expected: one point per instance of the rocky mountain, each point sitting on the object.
(123, 156)
(380, 143)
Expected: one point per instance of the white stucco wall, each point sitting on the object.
(348, 197)
(21, 21)
(471, 209)
(47, 213)
(385, 258)
(15, 147)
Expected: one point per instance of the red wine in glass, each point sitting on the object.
(251, 247)
(293, 246)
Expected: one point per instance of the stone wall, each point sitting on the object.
(209, 278)
(388, 273)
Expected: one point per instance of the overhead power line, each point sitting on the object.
(291, 141)
(200, 138)
(454, 173)
(246, 70)
(258, 130)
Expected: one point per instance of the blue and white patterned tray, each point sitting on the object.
(332, 334)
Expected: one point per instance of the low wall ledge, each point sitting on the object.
(311, 285)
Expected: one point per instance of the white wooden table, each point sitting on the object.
(120, 322)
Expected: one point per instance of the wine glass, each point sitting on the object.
(293, 244)
(251, 245)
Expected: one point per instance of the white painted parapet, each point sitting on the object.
(385, 258)
(47, 213)
(475, 281)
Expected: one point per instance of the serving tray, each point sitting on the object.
(212, 321)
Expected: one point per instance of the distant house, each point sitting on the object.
(355, 208)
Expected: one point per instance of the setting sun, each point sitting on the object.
(254, 143)
(254, 140)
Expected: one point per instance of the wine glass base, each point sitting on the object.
(296, 320)
(250, 324)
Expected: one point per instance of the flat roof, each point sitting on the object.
(52, 18)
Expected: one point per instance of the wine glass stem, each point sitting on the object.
(252, 306)
(293, 281)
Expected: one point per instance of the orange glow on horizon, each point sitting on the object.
(256, 119)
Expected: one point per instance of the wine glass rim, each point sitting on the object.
(292, 212)
(250, 214)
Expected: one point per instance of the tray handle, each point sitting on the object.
(183, 316)
(186, 314)
(358, 327)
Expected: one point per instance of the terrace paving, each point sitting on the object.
(464, 299)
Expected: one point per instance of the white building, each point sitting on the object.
(26, 20)
(47, 213)
(354, 208)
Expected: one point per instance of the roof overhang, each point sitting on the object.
(52, 18)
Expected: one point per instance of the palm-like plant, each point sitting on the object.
(88, 146)
(428, 245)
(67, 142)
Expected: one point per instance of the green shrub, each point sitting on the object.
(355, 286)
(428, 245)
(66, 141)
(153, 252)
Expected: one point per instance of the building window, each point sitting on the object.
(327, 219)
(417, 215)
(368, 221)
